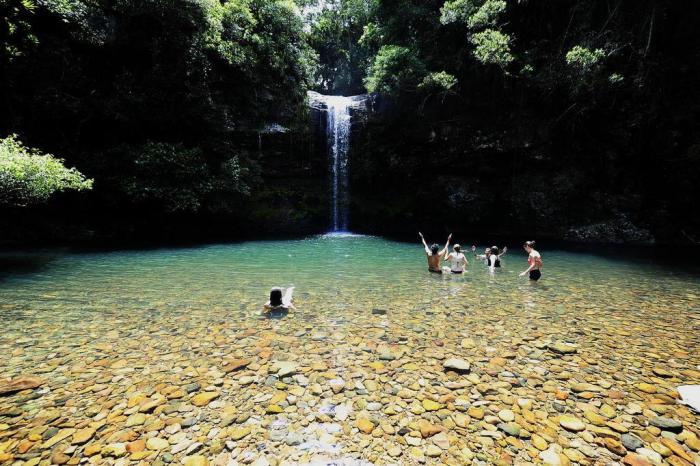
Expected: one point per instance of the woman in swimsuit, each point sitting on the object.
(458, 261)
(534, 261)
(434, 253)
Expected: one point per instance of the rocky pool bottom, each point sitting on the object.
(157, 357)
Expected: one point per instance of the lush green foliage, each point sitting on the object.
(178, 179)
(135, 91)
(27, 176)
(584, 59)
(457, 11)
(487, 15)
(15, 29)
(343, 36)
(393, 70)
(397, 47)
(438, 82)
(491, 46)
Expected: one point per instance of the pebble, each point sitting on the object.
(83, 436)
(646, 387)
(651, 455)
(571, 423)
(614, 446)
(337, 385)
(433, 451)
(285, 368)
(365, 425)
(538, 442)
(510, 428)
(430, 405)
(204, 398)
(677, 449)
(506, 415)
(196, 461)
(155, 443)
(563, 348)
(664, 423)
(632, 459)
(457, 365)
(631, 442)
(550, 457)
(20, 383)
(475, 412)
(238, 433)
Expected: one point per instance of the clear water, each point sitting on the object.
(165, 310)
(335, 271)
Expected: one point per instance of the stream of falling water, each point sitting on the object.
(338, 134)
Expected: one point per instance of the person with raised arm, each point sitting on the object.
(498, 254)
(458, 261)
(280, 300)
(434, 253)
(491, 256)
(534, 261)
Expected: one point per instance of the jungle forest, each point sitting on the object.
(190, 118)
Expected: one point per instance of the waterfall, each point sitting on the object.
(338, 137)
(336, 110)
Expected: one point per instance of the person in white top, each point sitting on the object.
(458, 261)
(280, 300)
(491, 256)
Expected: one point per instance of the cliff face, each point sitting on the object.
(521, 176)
(473, 171)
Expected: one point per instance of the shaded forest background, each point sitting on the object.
(573, 120)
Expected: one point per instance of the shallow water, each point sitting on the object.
(102, 327)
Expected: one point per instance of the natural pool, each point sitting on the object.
(163, 356)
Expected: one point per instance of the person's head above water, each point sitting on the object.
(529, 246)
(457, 248)
(434, 249)
(487, 251)
(276, 296)
(494, 250)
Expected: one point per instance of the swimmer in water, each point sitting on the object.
(458, 261)
(534, 261)
(280, 301)
(491, 256)
(434, 253)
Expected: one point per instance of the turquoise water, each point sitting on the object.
(99, 327)
(333, 271)
(337, 278)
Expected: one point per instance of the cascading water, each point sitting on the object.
(338, 134)
(338, 119)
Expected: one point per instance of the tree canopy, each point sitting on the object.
(166, 104)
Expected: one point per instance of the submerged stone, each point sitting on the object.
(24, 382)
(571, 423)
(457, 365)
(665, 423)
(563, 348)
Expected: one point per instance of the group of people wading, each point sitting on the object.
(281, 299)
(491, 257)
